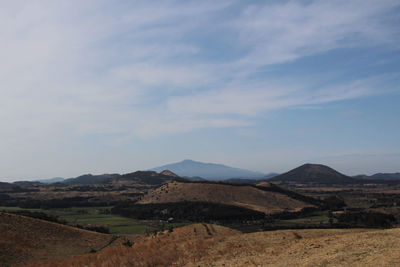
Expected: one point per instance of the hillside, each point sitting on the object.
(246, 196)
(24, 240)
(211, 245)
(313, 173)
(147, 178)
(190, 168)
(6, 187)
(87, 179)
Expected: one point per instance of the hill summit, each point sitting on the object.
(313, 173)
(168, 173)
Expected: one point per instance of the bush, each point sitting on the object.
(368, 219)
(104, 229)
(127, 243)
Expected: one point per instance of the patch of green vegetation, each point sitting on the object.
(311, 219)
(315, 218)
(16, 209)
(98, 215)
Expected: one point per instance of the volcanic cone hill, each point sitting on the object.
(313, 173)
(260, 199)
(24, 240)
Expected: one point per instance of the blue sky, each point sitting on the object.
(117, 86)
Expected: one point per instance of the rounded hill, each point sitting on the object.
(313, 173)
(260, 199)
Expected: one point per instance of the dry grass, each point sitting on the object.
(165, 249)
(314, 248)
(210, 245)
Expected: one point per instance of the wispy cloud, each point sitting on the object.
(281, 32)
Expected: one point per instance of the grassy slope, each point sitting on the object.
(309, 248)
(208, 245)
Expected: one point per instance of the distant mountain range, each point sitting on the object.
(199, 171)
(212, 171)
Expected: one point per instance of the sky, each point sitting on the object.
(114, 86)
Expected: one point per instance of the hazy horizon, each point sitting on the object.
(119, 86)
(219, 163)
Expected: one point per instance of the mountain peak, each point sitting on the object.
(191, 168)
(187, 161)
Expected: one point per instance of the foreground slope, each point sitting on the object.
(246, 196)
(25, 240)
(211, 245)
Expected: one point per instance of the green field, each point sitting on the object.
(318, 218)
(99, 215)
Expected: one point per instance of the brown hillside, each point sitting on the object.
(24, 240)
(243, 196)
(265, 184)
(210, 245)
